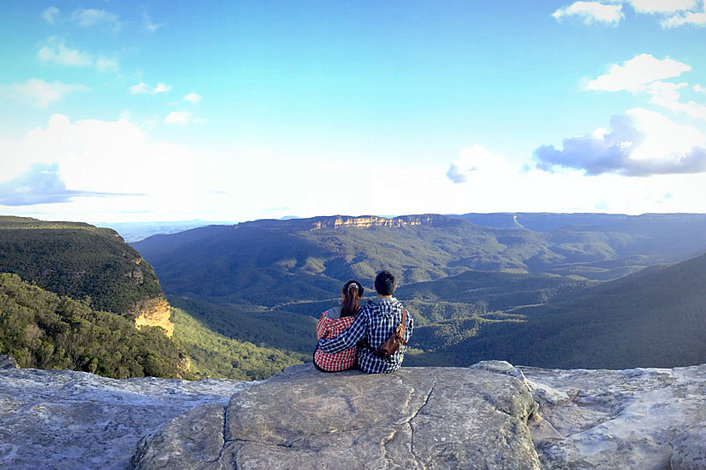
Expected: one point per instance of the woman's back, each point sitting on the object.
(331, 325)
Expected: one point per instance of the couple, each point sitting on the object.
(352, 335)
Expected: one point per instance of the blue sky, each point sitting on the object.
(137, 111)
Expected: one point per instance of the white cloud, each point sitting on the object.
(56, 51)
(87, 17)
(93, 157)
(673, 13)
(179, 118)
(143, 88)
(139, 89)
(51, 14)
(668, 95)
(690, 18)
(592, 12)
(161, 88)
(473, 160)
(636, 73)
(40, 93)
(699, 89)
(661, 6)
(193, 98)
(640, 143)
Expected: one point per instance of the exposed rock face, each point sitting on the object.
(607, 419)
(155, 312)
(372, 221)
(415, 418)
(61, 419)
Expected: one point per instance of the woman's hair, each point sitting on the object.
(352, 292)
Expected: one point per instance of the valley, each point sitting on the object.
(476, 291)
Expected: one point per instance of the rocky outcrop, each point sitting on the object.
(155, 312)
(372, 221)
(7, 362)
(607, 419)
(62, 419)
(422, 418)
(492, 415)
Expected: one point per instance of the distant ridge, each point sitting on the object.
(347, 221)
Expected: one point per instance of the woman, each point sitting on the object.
(332, 323)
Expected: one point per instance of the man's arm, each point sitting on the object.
(349, 338)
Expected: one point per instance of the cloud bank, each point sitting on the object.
(640, 143)
(40, 184)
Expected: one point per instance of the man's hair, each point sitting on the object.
(385, 283)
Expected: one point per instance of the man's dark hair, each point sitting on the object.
(385, 283)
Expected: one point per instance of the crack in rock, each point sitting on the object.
(411, 426)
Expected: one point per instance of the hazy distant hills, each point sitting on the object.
(655, 318)
(267, 262)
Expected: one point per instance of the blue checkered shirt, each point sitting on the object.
(375, 322)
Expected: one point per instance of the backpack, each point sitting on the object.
(392, 344)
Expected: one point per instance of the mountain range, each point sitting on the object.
(471, 287)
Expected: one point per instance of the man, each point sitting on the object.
(375, 322)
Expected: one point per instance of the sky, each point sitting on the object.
(122, 111)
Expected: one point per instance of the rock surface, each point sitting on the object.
(7, 362)
(60, 419)
(492, 415)
(607, 419)
(424, 418)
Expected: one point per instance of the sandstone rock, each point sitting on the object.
(415, 418)
(608, 419)
(7, 362)
(154, 312)
(690, 448)
(60, 419)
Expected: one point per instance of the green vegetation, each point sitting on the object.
(267, 328)
(43, 330)
(215, 355)
(79, 261)
(476, 292)
(654, 318)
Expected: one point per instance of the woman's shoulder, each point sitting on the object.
(332, 313)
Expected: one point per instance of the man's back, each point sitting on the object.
(381, 316)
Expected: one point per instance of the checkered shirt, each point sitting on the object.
(328, 328)
(375, 322)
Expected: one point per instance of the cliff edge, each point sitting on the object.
(492, 415)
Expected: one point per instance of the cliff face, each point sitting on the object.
(373, 221)
(155, 312)
(345, 221)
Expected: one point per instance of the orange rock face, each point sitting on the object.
(155, 312)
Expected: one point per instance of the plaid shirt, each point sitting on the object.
(329, 327)
(375, 322)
